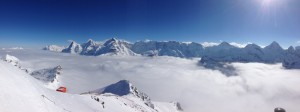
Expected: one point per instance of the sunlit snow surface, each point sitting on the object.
(257, 86)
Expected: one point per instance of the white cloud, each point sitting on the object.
(298, 42)
(209, 44)
(168, 78)
(239, 45)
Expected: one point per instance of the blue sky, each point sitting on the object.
(42, 22)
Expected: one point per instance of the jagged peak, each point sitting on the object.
(11, 58)
(291, 49)
(224, 44)
(252, 46)
(47, 75)
(113, 39)
(110, 41)
(89, 42)
(273, 45)
(123, 88)
(58, 68)
(177, 105)
(73, 43)
(120, 88)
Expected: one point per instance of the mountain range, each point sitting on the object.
(224, 52)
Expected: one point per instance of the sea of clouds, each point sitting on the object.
(256, 87)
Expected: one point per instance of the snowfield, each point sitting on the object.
(22, 93)
(256, 87)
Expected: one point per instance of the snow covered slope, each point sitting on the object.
(124, 88)
(21, 92)
(127, 91)
(163, 78)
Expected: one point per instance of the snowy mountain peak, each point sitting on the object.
(252, 46)
(120, 88)
(110, 41)
(111, 46)
(90, 42)
(73, 43)
(291, 49)
(48, 75)
(73, 48)
(274, 45)
(8, 57)
(225, 45)
(115, 47)
(123, 88)
(11, 59)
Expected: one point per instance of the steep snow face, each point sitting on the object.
(11, 59)
(49, 76)
(89, 48)
(124, 88)
(115, 47)
(54, 48)
(18, 93)
(73, 48)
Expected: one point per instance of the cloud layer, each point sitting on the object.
(257, 87)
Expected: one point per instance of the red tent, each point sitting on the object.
(62, 89)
